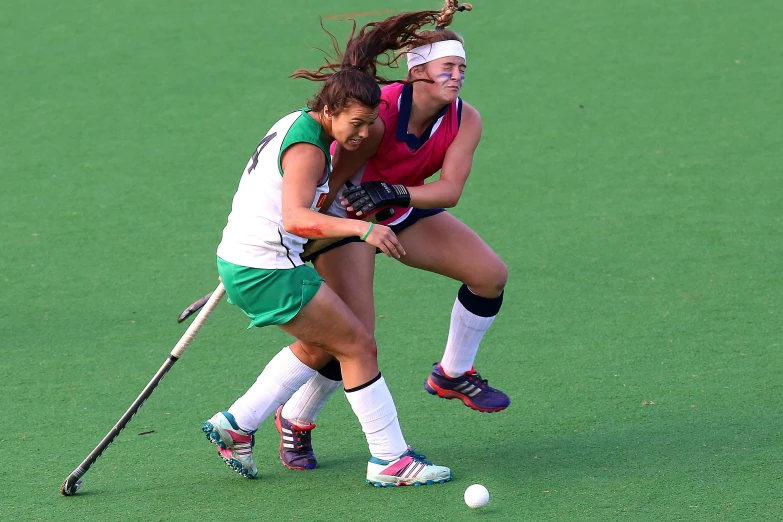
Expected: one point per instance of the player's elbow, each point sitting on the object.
(451, 202)
(452, 197)
(301, 230)
(293, 223)
(290, 228)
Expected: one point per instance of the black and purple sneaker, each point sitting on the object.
(296, 446)
(470, 388)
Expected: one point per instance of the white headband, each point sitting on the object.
(430, 52)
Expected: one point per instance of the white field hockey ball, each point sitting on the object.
(476, 496)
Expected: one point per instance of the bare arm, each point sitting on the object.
(303, 164)
(446, 191)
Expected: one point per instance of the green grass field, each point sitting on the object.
(629, 174)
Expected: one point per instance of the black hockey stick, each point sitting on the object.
(72, 484)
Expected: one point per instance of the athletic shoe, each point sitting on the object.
(410, 469)
(470, 388)
(235, 445)
(296, 446)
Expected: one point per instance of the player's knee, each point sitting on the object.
(312, 355)
(362, 346)
(499, 275)
(491, 281)
(369, 349)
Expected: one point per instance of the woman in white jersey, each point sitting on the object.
(409, 142)
(274, 212)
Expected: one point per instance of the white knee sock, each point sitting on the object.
(284, 374)
(304, 405)
(375, 409)
(465, 333)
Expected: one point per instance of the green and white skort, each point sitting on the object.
(269, 296)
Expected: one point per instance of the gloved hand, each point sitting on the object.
(371, 195)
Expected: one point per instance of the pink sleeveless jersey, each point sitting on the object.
(398, 163)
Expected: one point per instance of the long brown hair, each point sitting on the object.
(440, 33)
(352, 76)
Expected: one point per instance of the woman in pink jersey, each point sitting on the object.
(423, 127)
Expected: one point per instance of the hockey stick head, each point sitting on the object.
(195, 307)
(70, 486)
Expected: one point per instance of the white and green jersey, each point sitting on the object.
(255, 236)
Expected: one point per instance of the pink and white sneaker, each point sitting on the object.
(235, 445)
(410, 469)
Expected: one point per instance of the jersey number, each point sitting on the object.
(260, 147)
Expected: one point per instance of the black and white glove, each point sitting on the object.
(371, 195)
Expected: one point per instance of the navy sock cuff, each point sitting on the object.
(365, 385)
(477, 305)
(332, 371)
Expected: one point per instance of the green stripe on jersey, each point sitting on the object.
(305, 130)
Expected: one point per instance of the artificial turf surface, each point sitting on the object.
(629, 174)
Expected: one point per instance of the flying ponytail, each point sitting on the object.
(446, 16)
(353, 75)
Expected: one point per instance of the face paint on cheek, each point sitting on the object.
(462, 78)
(444, 77)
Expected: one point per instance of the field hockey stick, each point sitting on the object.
(195, 307)
(316, 245)
(72, 484)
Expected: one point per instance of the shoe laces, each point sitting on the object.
(475, 379)
(418, 457)
(303, 440)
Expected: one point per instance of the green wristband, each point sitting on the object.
(368, 232)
